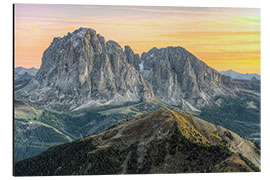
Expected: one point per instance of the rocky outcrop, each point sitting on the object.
(82, 70)
(179, 78)
(133, 59)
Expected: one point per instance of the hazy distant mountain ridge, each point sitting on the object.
(244, 76)
(24, 73)
(22, 76)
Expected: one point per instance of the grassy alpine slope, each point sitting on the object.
(36, 130)
(165, 141)
(241, 115)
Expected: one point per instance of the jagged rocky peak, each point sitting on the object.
(180, 78)
(132, 58)
(81, 70)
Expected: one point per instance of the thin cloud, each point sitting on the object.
(166, 11)
(249, 19)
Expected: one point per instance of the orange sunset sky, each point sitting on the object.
(224, 38)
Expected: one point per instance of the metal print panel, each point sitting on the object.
(135, 90)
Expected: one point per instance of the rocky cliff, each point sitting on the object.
(83, 70)
(179, 78)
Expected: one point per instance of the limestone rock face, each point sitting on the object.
(133, 59)
(179, 78)
(82, 70)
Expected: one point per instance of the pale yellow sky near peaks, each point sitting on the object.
(224, 38)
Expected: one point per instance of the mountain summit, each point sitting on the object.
(181, 79)
(83, 70)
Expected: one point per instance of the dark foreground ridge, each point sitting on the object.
(165, 141)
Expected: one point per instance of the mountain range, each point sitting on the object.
(20, 72)
(82, 70)
(22, 76)
(87, 85)
(237, 75)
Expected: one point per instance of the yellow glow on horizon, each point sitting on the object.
(224, 38)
